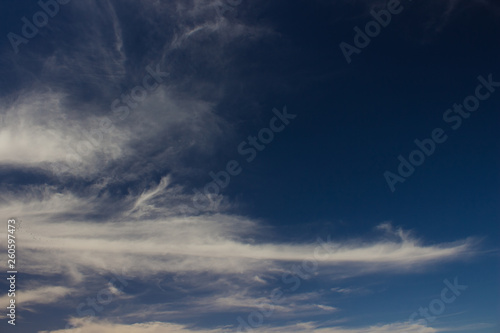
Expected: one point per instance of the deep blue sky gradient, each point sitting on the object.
(324, 173)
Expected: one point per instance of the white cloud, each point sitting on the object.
(82, 326)
(147, 238)
(46, 124)
(81, 233)
(166, 243)
(25, 298)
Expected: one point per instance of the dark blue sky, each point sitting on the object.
(116, 112)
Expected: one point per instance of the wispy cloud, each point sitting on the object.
(114, 192)
(42, 295)
(83, 326)
(147, 238)
(179, 243)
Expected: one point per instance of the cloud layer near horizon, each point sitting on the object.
(82, 326)
(149, 238)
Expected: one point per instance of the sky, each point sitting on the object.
(216, 166)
